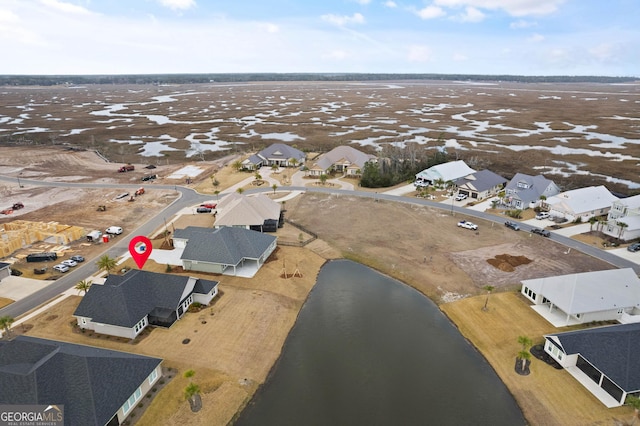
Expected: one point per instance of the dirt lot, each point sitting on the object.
(423, 246)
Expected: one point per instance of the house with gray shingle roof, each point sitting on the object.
(126, 304)
(523, 191)
(279, 154)
(226, 250)
(257, 212)
(603, 359)
(93, 386)
(480, 185)
(342, 159)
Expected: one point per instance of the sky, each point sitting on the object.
(517, 37)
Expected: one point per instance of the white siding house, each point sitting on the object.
(585, 297)
(582, 203)
(627, 211)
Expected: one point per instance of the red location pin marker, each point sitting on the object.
(140, 249)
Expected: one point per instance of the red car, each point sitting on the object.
(209, 205)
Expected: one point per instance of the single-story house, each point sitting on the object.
(224, 250)
(582, 203)
(610, 295)
(126, 304)
(442, 173)
(602, 359)
(256, 212)
(5, 270)
(86, 385)
(524, 191)
(627, 211)
(342, 159)
(480, 185)
(279, 154)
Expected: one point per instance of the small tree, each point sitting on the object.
(323, 179)
(257, 176)
(274, 187)
(592, 221)
(83, 286)
(240, 190)
(633, 401)
(489, 289)
(191, 391)
(524, 356)
(525, 342)
(274, 168)
(622, 226)
(5, 324)
(217, 194)
(106, 263)
(294, 162)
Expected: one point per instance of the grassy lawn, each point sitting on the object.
(546, 396)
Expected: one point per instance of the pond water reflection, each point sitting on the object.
(369, 350)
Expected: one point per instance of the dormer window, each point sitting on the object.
(523, 185)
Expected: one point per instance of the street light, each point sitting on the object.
(19, 184)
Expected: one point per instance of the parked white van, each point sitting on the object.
(114, 230)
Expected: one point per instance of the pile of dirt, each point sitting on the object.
(507, 262)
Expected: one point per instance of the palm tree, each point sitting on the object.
(524, 356)
(5, 323)
(489, 289)
(294, 162)
(274, 167)
(525, 342)
(622, 226)
(257, 176)
(274, 187)
(106, 263)
(237, 165)
(592, 220)
(240, 190)
(83, 286)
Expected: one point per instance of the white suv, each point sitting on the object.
(542, 215)
(61, 268)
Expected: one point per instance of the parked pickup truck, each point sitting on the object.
(512, 225)
(542, 232)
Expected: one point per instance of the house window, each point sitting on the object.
(131, 402)
(153, 376)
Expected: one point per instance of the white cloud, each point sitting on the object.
(336, 54)
(521, 23)
(64, 7)
(342, 20)
(430, 12)
(271, 28)
(390, 4)
(471, 14)
(512, 7)
(7, 16)
(536, 38)
(178, 4)
(419, 53)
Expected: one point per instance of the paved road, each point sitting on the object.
(189, 197)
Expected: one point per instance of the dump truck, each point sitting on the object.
(126, 168)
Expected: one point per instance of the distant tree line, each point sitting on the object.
(399, 164)
(53, 80)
